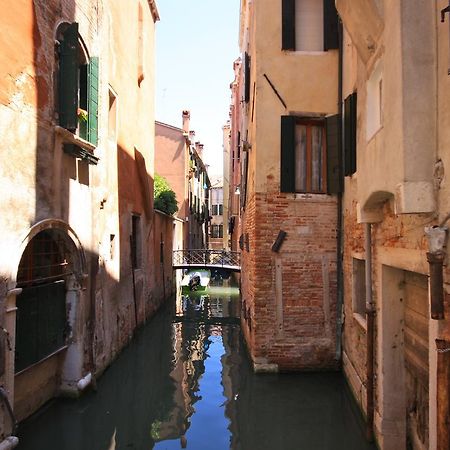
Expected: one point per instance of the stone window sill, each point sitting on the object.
(71, 138)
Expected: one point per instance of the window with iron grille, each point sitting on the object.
(41, 323)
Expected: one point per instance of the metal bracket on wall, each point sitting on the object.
(279, 241)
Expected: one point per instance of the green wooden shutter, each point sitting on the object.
(93, 100)
(247, 77)
(287, 166)
(330, 25)
(288, 25)
(68, 78)
(350, 134)
(334, 178)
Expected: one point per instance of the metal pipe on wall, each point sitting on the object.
(370, 317)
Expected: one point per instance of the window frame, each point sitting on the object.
(308, 122)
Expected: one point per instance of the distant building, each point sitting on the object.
(216, 230)
(178, 158)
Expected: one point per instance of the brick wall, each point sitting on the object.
(295, 330)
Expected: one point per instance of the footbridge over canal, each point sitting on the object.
(208, 259)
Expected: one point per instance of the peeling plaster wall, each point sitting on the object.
(411, 147)
(41, 183)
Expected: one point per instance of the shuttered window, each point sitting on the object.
(304, 156)
(309, 25)
(246, 77)
(68, 78)
(350, 117)
(334, 160)
(78, 87)
(92, 136)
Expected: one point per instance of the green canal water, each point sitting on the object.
(185, 382)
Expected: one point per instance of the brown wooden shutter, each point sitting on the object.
(330, 25)
(334, 179)
(68, 78)
(247, 77)
(288, 25)
(287, 164)
(350, 134)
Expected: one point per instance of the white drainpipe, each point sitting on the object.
(83, 383)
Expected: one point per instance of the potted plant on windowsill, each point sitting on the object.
(82, 115)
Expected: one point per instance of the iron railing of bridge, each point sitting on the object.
(218, 258)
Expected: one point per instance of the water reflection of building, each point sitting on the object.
(190, 343)
(194, 324)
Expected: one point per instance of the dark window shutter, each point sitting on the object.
(93, 100)
(247, 77)
(288, 25)
(350, 134)
(68, 78)
(334, 179)
(287, 165)
(330, 25)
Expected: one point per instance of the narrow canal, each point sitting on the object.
(185, 382)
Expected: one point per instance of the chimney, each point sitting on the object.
(186, 119)
(199, 149)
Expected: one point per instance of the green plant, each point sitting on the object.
(165, 199)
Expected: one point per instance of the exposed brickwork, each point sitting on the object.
(303, 337)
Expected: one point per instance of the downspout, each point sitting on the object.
(370, 317)
(340, 228)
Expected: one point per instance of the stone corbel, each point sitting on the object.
(363, 23)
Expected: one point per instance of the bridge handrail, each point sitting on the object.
(206, 257)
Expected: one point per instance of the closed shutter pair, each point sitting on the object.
(69, 85)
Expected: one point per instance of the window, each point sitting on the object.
(359, 286)
(374, 101)
(217, 231)
(310, 155)
(112, 116)
(246, 77)
(309, 25)
(136, 241)
(41, 326)
(77, 84)
(350, 134)
(217, 210)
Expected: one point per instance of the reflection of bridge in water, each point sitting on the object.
(209, 259)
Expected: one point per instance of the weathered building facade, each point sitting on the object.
(179, 160)
(77, 275)
(288, 139)
(396, 104)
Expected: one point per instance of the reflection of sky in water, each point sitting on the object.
(209, 426)
(190, 385)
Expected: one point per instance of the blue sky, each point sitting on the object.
(196, 44)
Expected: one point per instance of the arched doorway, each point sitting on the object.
(41, 322)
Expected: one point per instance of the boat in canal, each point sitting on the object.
(195, 280)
